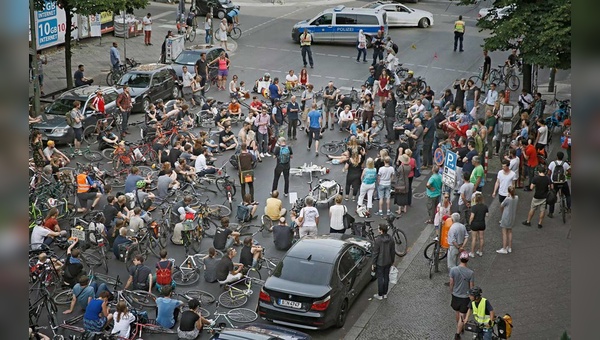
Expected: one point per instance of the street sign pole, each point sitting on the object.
(449, 174)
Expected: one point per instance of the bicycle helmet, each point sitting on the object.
(141, 184)
(267, 75)
(237, 7)
(411, 72)
(476, 292)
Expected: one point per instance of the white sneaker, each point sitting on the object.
(509, 250)
(385, 296)
(502, 251)
(267, 154)
(376, 296)
(471, 254)
(261, 155)
(480, 253)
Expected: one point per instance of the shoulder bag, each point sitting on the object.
(246, 176)
(348, 219)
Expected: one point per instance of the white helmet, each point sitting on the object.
(267, 75)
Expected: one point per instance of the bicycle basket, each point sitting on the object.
(188, 225)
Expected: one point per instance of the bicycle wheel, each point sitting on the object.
(329, 148)
(513, 82)
(224, 185)
(90, 136)
(52, 314)
(253, 273)
(271, 266)
(242, 315)
(115, 182)
(477, 81)
(109, 280)
(91, 260)
(209, 227)
(140, 297)
(400, 242)
(494, 76)
(63, 298)
(232, 299)
(205, 298)
(430, 249)
(236, 33)
(93, 156)
(108, 153)
(154, 246)
(219, 210)
(186, 277)
(156, 329)
(422, 87)
(191, 240)
(192, 35)
(110, 79)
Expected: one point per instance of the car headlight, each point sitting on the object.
(59, 131)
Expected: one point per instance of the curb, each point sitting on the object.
(366, 316)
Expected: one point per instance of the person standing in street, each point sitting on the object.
(459, 33)
(263, 121)
(367, 186)
(362, 46)
(314, 127)
(329, 100)
(378, 46)
(186, 78)
(305, 42)
(417, 135)
(428, 136)
(465, 193)
(77, 118)
(390, 117)
(509, 212)
(558, 177)
(487, 66)
(506, 178)
(541, 185)
(124, 105)
(434, 191)
(384, 187)
(308, 220)
(245, 164)
(147, 22)
(201, 69)
(383, 259)
(336, 216)
(283, 153)
(115, 57)
(458, 236)
(293, 111)
(462, 279)
(208, 28)
(276, 116)
(479, 212)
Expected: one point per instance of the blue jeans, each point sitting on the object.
(470, 104)
(487, 333)
(99, 288)
(208, 36)
(417, 155)
(263, 142)
(383, 279)
(362, 51)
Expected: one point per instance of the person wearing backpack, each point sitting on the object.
(164, 270)
(283, 153)
(558, 171)
(75, 119)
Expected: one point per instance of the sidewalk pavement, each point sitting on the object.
(532, 284)
(93, 53)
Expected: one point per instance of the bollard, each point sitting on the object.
(485, 163)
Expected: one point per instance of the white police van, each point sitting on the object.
(341, 25)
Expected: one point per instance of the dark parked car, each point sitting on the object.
(223, 7)
(190, 55)
(54, 125)
(317, 281)
(150, 82)
(258, 331)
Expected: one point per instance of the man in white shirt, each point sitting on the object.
(200, 165)
(384, 187)
(542, 137)
(505, 178)
(291, 80)
(345, 118)
(147, 23)
(51, 151)
(491, 97)
(309, 218)
(525, 100)
(187, 78)
(416, 111)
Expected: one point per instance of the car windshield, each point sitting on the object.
(60, 106)
(139, 80)
(299, 270)
(373, 5)
(187, 58)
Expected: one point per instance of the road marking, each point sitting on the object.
(248, 31)
(356, 79)
(451, 69)
(328, 77)
(163, 14)
(436, 68)
(343, 79)
(425, 66)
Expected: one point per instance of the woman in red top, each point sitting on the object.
(531, 158)
(303, 76)
(382, 92)
(51, 222)
(411, 175)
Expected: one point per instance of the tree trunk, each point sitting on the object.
(68, 24)
(552, 80)
(527, 69)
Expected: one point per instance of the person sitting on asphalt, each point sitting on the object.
(250, 253)
(224, 237)
(247, 209)
(282, 235)
(227, 271)
(274, 207)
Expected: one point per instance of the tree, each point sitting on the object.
(86, 7)
(540, 29)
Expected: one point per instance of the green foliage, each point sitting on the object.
(565, 336)
(540, 29)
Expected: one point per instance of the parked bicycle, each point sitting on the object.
(434, 253)
(510, 80)
(240, 315)
(234, 297)
(113, 75)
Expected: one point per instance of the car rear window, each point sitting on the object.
(136, 80)
(61, 106)
(187, 58)
(303, 271)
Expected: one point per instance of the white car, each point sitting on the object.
(495, 13)
(399, 15)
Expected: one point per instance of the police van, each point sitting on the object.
(341, 25)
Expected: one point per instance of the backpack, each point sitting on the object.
(163, 275)
(69, 119)
(505, 326)
(130, 200)
(284, 154)
(243, 213)
(395, 47)
(558, 175)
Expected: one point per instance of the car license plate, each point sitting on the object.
(291, 304)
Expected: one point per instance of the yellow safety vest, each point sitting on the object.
(305, 39)
(459, 26)
(479, 312)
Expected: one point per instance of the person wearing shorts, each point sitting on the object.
(541, 185)
(223, 70)
(462, 279)
(308, 218)
(314, 128)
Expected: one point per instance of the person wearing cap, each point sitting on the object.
(482, 312)
(50, 151)
(462, 280)
(80, 79)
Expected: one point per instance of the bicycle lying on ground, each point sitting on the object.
(188, 272)
(235, 297)
(240, 315)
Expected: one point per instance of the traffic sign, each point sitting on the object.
(449, 174)
(438, 156)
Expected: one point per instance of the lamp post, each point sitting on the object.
(33, 54)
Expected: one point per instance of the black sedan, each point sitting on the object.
(317, 281)
(260, 332)
(190, 56)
